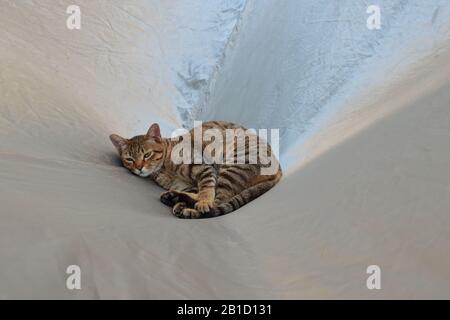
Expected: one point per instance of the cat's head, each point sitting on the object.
(142, 155)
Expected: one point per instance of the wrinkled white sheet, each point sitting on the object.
(380, 197)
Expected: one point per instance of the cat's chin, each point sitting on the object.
(144, 174)
(141, 174)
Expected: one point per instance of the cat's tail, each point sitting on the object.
(245, 196)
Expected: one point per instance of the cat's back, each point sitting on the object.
(221, 125)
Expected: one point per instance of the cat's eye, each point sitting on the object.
(129, 160)
(148, 155)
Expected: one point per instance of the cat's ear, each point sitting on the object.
(154, 132)
(118, 142)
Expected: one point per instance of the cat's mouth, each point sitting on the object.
(142, 173)
(147, 172)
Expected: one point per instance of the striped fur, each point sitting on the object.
(198, 190)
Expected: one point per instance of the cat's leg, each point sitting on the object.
(230, 183)
(189, 213)
(182, 211)
(179, 210)
(205, 175)
(172, 197)
(225, 191)
(169, 198)
(182, 203)
(264, 184)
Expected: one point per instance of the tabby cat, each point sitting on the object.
(197, 190)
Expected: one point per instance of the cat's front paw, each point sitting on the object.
(169, 198)
(204, 206)
(178, 209)
(189, 213)
(181, 211)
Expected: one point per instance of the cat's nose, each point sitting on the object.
(139, 165)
